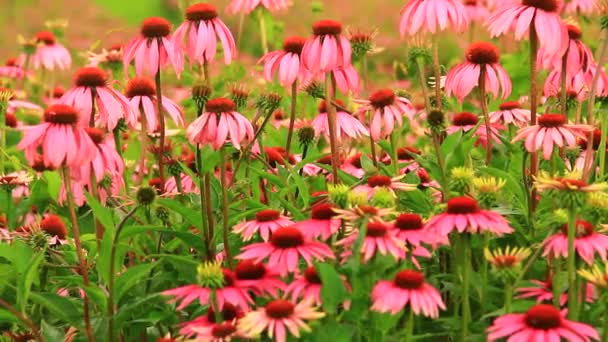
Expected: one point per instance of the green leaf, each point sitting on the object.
(103, 214)
(7, 316)
(333, 291)
(192, 216)
(53, 180)
(26, 279)
(60, 307)
(51, 333)
(332, 331)
(130, 278)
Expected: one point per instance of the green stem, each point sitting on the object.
(508, 297)
(533, 105)
(263, 34)
(484, 111)
(161, 126)
(437, 71)
(423, 85)
(605, 330)
(602, 147)
(564, 91)
(9, 209)
(557, 268)
(484, 272)
(409, 326)
(292, 115)
(394, 157)
(466, 269)
(331, 122)
(225, 206)
(571, 265)
(3, 130)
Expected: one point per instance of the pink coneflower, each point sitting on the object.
(410, 229)
(461, 79)
(464, 215)
(266, 221)
(352, 165)
(347, 125)
(216, 332)
(387, 112)
(277, 317)
(53, 96)
(188, 185)
(258, 278)
(152, 49)
(432, 16)
(307, 286)
(577, 7)
(543, 323)
(328, 49)
(231, 292)
(285, 63)
(219, 123)
(511, 113)
(12, 69)
(247, 6)
(380, 238)
(91, 89)
(519, 16)
(141, 93)
(384, 182)
(201, 30)
(467, 121)
(408, 287)
(322, 223)
(284, 250)
(60, 125)
(551, 130)
(587, 243)
(229, 313)
(579, 56)
(49, 54)
(476, 11)
(347, 78)
(543, 292)
(55, 228)
(576, 85)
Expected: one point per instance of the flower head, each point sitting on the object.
(597, 276)
(347, 125)
(387, 110)
(432, 16)
(511, 113)
(266, 221)
(380, 237)
(285, 63)
(328, 49)
(587, 243)
(141, 93)
(507, 258)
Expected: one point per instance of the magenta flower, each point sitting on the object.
(91, 89)
(258, 278)
(519, 16)
(49, 54)
(579, 56)
(60, 125)
(551, 130)
(188, 185)
(322, 223)
(231, 293)
(200, 31)
(266, 221)
(12, 69)
(308, 287)
(379, 238)
(229, 313)
(511, 113)
(384, 182)
(467, 121)
(461, 79)
(542, 322)
(285, 63)
(387, 110)
(543, 291)
(219, 123)
(247, 6)
(410, 229)
(152, 49)
(464, 215)
(347, 126)
(408, 287)
(587, 243)
(328, 49)
(286, 247)
(432, 16)
(576, 85)
(141, 93)
(347, 78)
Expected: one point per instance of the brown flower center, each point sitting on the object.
(250, 270)
(46, 37)
(294, 44)
(323, 211)
(229, 313)
(287, 237)
(155, 27)
(95, 134)
(53, 225)
(465, 119)
(409, 221)
(505, 261)
(140, 86)
(543, 316)
(405, 153)
(326, 27)
(223, 330)
(376, 229)
(279, 308)
(409, 279)
(510, 105)
(201, 11)
(312, 276)
(552, 120)
(90, 77)
(583, 229)
(574, 32)
(382, 98)
(58, 92)
(482, 53)
(545, 5)
(379, 180)
(10, 120)
(220, 105)
(323, 105)
(267, 215)
(61, 114)
(462, 205)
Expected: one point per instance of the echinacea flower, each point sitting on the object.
(579, 57)
(229, 313)
(380, 237)
(266, 221)
(384, 182)
(247, 6)
(52, 228)
(476, 10)
(347, 78)
(322, 223)
(522, 15)
(12, 69)
(587, 243)
(285, 63)
(328, 49)
(432, 16)
(598, 276)
(258, 278)
(464, 215)
(507, 258)
(287, 245)
(481, 57)
(467, 121)
(511, 113)
(217, 332)
(307, 286)
(200, 31)
(60, 125)
(152, 49)
(542, 323)
(410, 229)
(278, 316)
(578, 7)
(92, 90)
(551, 130)
(108, 58)
(347, 126)
(387, 111)
(542, 291)
(408, 287)
(219, 123)
(141, 92)
(49, 54)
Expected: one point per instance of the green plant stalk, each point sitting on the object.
(79, 251)
(23, 318)
(409, 326)
(563, 86)
(571, 265)
(602, 147)
(423, 85)
(372, 143)
(582, 286)
(112, 275)
(331, 123)
(143, 145)
(225, 204)
(394, 157)
(465, 269)
(484, 111)
(3, 107)
(263, 34)
(605, 330)
(533, 108)
(508, 297)
(557, 267)
(161, 124)
(292, 116)
(437, 71)
(484, 273)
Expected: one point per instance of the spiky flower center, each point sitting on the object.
(223, 330)
(95, 134)
(10, 120)
(279, 309)
(465, 119)
(379, 180)
(382, 98)
(53, 225)
(46, 37)
(58, 92)
(574, 32)
(294, 44)
(267, 215)
(462, 205)
(220, 105)
(201, 11)
(376, 229)
(90, 77)
(323, 105)
(140, 86)
(409, 221)
(505, 261)
(510, 105)
(229, 277)
(312, 276)
(355, 160)
(572, 183)
(323, 211)
(325, 160)
(229, 313)
(61, 114)
(582, 229)
(367, 210)
(543, 316)
(155, 27)
(287, 237)
(409, 280)
(326, 27)
(482, 53)
(545, 5)
(250, 270)
(470, 2)
(11, 62)
(552, 120)
(405, 153)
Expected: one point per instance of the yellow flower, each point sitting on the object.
(596, 276)
(506, 258)
(570, 182)
(488, 184)
(210, 274)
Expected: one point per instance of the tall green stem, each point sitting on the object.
(533, 105)
(409, 326)
(423, 85)
(465, 269)
(508, 297)
(225, 208)
(484, 111)
(3, 130)
(437, 71)
(161, 124)
(292, 115)
(602, 147)
(571, 265)
(263, 34)
(331, 122)
(563, 86)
